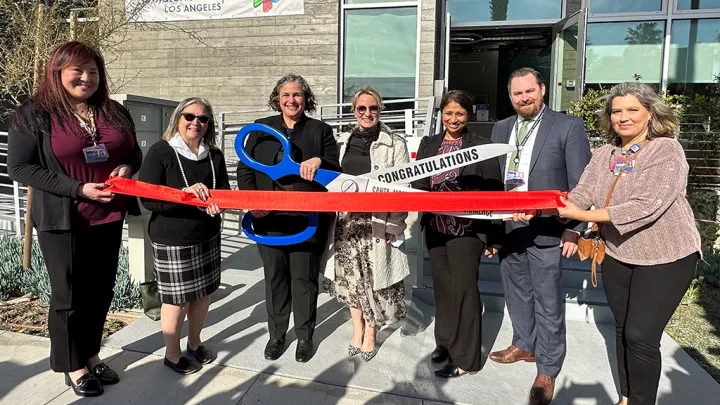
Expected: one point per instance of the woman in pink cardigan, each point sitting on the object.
(652, 243)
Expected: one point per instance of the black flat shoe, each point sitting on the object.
(201, 354)
(439, 355)
(105, 374)
(304, 351)
(183, 366)
(85, 386)
(274, 348)
(451, 371)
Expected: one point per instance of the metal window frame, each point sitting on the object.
(512, 23)
(371, 6)
(703, 12)
(664, 10)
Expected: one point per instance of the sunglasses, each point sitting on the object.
(191, 117)
(361, 109)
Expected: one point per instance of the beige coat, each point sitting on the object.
(390, 264)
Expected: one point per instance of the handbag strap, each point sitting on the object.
(595, 227)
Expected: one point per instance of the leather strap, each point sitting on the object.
(596, 228)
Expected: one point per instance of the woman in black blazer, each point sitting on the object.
(292, 271)
(456, 244)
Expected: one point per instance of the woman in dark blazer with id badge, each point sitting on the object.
(456, 244)
(64, 143)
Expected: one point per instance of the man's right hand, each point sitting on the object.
(96, 192)
(259, 213)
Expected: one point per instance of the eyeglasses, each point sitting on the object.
(191, 117)
(361, 109)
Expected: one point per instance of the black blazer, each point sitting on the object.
(310, 138)
(31, 161)
(480, 176)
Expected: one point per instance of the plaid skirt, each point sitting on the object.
(187, 273)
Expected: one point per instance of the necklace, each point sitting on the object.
(182, 171)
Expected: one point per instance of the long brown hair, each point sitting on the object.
(52, 98)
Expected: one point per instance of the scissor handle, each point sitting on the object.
(285, 167)
(279, 240)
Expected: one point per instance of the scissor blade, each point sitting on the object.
(347, 183)
(423, 168)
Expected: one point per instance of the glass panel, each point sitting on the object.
(381, 51)
(503, 10)
(694, 55)
(624, 6)
(623, 52)
(697, 4)
(372, 1)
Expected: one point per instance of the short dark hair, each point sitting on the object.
(274, 101)
(457, 96)
(524, 71)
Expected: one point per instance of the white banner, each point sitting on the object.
(185, 10)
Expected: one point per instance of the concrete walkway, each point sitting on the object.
(400, 374)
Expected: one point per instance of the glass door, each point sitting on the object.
(568, 60)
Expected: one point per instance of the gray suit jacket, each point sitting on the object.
(559, 156)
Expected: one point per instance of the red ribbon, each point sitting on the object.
(347, 202)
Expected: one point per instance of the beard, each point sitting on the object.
(527, 110)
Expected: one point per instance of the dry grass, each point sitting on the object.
(31, 318)
(695, 326)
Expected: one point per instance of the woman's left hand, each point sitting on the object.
(390, 238)
(309, 167)
(570, 210)
(124, 171)
(213, 210)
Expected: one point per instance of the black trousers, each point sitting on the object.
(82, 266)
(642, 299)
(291, 283)
(458, 309)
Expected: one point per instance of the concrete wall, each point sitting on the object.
(239, 62)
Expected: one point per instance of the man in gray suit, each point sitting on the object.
(551, 153)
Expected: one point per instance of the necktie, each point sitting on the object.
(523, 133)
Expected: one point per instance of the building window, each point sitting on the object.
(624, 6)
(624, 51)
(470, 11)
(697, 4)
(380, 51)
(694, 55)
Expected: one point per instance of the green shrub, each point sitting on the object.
(709, 268)
(15, 282)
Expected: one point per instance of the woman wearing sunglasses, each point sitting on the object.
(291, 271)
(456, 244)
(186, 239)
(365, 265)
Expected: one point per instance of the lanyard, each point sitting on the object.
(88, 126)
(518, 146)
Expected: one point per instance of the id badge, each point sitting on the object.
(515, 178)
(96, 153)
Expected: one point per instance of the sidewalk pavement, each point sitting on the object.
(401, 373)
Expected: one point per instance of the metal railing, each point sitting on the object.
(13, 196)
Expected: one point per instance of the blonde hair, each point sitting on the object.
(371, 92)
(663, 121)
(210, 137)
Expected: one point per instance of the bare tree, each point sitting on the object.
(32, 28)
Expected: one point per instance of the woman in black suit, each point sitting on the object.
(292, 271)
(456, 244)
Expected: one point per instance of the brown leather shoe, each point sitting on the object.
(511, 355)
(542, 390)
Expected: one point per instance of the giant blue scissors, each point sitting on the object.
(331, 180)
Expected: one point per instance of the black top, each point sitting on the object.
(179, 224)
(309, 138)
(355, 161)
(480, 176)
(31, 161)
